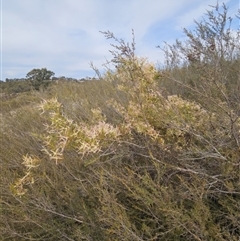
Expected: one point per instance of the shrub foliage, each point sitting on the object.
(143, 154)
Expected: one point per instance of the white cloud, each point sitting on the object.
(187, 18)
(64, 35)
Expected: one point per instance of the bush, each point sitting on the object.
(162, 167)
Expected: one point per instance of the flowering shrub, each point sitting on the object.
(166, 168)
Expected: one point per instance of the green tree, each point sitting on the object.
(147, 163)
(39, 77)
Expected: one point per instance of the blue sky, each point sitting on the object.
(64, 37)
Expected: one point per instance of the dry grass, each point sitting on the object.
(122, 159)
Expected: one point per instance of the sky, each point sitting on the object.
(64, 35)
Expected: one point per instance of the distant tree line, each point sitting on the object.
(36, 79)
(15, 79)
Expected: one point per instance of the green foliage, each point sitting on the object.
(128, 157)
(14, 87)
(39, 77)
